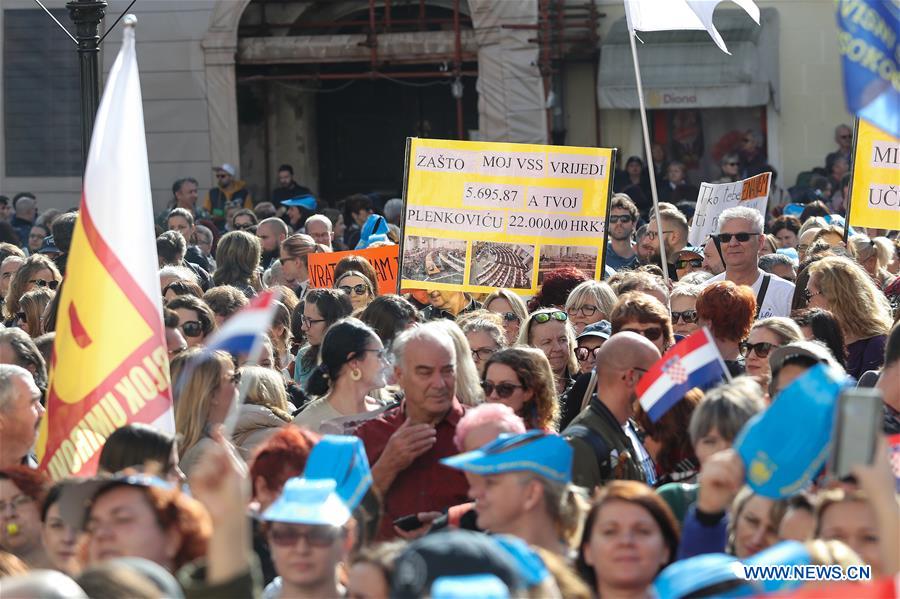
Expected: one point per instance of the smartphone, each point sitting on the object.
(857, 426)
(408, 523)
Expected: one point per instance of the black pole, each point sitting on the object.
(87, 14)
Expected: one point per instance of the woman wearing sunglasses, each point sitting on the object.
(683, 300)
(38, 271)
(195, 319)
(766, 335)
(549, 330)
(520, 377)
(32, 306)
(353, 364)
(590, 302)
(640, 313)
(511, 308)
(358, 288)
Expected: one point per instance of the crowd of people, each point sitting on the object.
(434, 443)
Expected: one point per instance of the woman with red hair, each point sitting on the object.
(728, 310)
(22, 491)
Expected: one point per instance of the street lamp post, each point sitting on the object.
(87, 14)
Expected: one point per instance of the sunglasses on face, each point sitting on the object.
(315, 536)
(586, 310)
(583, 353)
(191, 328)
(243, 226)
(504, 390)
(688, 316)
(543, 317)
(360, 289)
(760, 349)
(510, 317)
(694, 262)
(741, 237)
(653, 333)
(42, 283)
(620, 218)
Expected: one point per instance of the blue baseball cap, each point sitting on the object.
(699, 573)
(374, 229)
(602, 329)
(313, 502)
(530, 565)
(786, 553)
(793, 209)
(779, 461)
(307, 201)
(342, 459)
(546, 454)
(790, 253)
(484, 586)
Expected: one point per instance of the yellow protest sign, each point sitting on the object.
(875, 192)
(483, 215)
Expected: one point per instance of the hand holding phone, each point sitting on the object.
(857, 429)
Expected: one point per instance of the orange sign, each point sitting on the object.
(384, 259)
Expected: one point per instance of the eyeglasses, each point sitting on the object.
(653, 333)
(504, 390)
(651, 235)
(688, 316)
(586, 310)
(543, 317)
(761, 349)
(15, 503)
(360, 289)
(192, 328)
(620, 218)
(483, 353)
(315, 536)
(42, 283)
(510, 317)
(243, 226)
(695, 262)
(741, 237)
(308, 322)
(583, 353)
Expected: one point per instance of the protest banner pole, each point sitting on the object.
(646, 131)
(849, 197)
(609, 192)
(403, 213)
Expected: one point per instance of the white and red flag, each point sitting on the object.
(110, 364)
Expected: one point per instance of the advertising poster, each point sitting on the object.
(714, 198)
(483, 215)
(875, 192)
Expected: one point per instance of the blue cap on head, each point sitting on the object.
(790, 253)
(484, 586)
(793, 209)
(702, 572)
(531, 566)
(342, 459)
(602, 329)
(778, 461)
(546, 454)
(312, 502)
(374, 229)
(307, 201)
(786, 553)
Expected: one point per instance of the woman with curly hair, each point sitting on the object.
(728, 310)
(520, 377)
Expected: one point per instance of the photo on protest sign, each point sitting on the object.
(508, 265)
(875, 183)
(434, 260)
(584, 258)
(714, 198)
(509, 200)
(384, 259)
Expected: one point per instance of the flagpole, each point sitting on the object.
(653, 193)
(849, 198)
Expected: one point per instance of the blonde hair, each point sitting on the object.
(517, 303)
(857, 304)
(265, 387)
(197, 382)
(300, 245)
(32, 265)
(815, 222)
(829, 230)
(525, 336)
(33, 305)
(565, 505)
(862, 249)
(468, 387)
(685, 290)
(785, 328)
(599, 291)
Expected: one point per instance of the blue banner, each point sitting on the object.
(869, 42)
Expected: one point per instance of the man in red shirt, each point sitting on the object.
(406, 444)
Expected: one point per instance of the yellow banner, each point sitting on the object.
(483, 215)
(875, 196)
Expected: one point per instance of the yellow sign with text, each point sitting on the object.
(483, 215)
(875, 196)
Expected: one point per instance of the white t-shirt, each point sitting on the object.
(779, 295)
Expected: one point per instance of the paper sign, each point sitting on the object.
(716, 197)
(480, 215)
(384, 259)
(875, 196)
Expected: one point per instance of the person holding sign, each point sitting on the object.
(740, 234)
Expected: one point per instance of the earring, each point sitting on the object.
(356, 374)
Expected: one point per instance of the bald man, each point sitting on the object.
(604, 449)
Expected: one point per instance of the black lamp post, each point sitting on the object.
(87, 14)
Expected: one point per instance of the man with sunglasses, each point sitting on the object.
(674, 235)
(228, 193)
(623, 217)
(740, 234)
(604, 449)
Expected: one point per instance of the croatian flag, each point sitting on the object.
(243, 332)
(693, 362)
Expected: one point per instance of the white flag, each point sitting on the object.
(668, 15)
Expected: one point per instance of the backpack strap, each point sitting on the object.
(594, 441)
(764, 286)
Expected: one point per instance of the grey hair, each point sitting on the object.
(430, 331)
(682, 289)
(7, 373)
(181, 273)
(488, 326)
(27, 354)
(698, 277)
(727, 408)
(272, 274)
(786, 329)
(742, 213)
(599, 291)
(769, 261)
(315, 218)
(393, 209)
